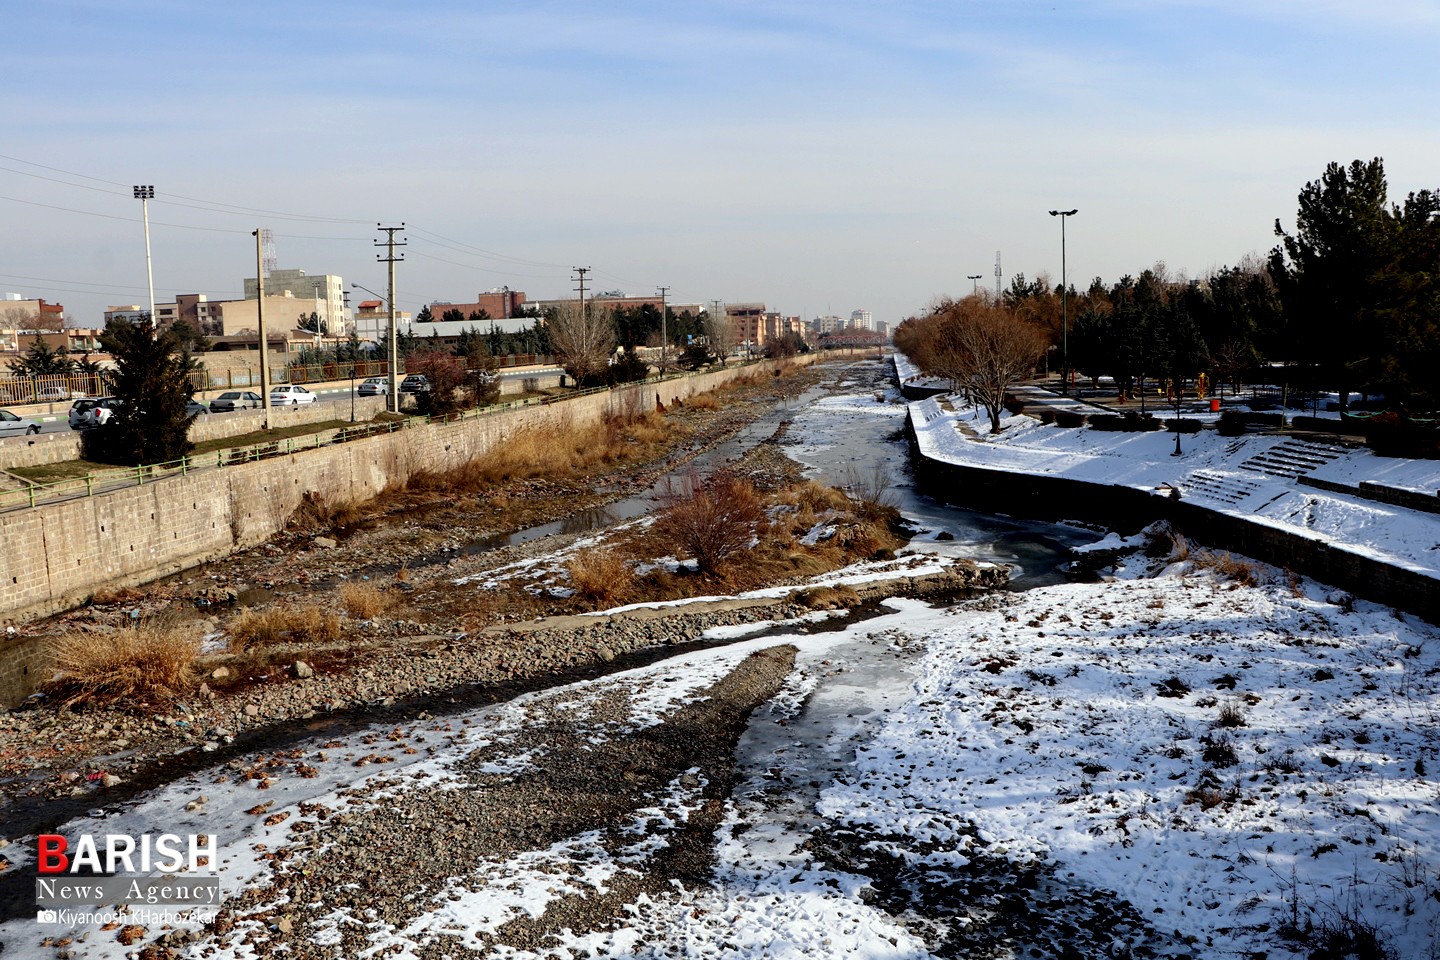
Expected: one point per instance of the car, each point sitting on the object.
(86, 413)
(54, 394)
(415, 383)
(374, 386)
(290, 395)
(13, 426)
(236, 400)
(195, 408)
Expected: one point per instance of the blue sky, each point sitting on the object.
(819, 156)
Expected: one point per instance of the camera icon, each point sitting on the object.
(46, 916)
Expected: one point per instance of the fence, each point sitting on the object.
(104, 481)
(61, 387)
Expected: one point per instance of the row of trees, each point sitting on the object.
(1350, 301)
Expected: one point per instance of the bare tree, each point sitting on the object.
(981, 347)
(720, 332)
(583, 339)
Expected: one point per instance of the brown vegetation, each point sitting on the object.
(362, 601)
(601, 575)
(143, 662)
(982, 346)
(712, 521)
(310, 623)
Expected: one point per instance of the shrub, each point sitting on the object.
(1391, 435)
(1125, 423)
(600, 574)
(1232, 423)
(363, 601)
(135, 663)
(711, 522)
(1185, 425)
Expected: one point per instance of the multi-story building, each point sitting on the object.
(18, 313)
(196, 309)
(326, 294)
(747, 324)
(499, 304)
(861, 320)
(372, 320)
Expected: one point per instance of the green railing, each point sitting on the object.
(105, 481)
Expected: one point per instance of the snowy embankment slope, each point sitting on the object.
(1229, 475)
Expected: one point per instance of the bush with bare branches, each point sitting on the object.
(711, 521)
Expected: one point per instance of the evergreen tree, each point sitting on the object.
(151, 381)
(1328, 271)
(41, 361)
(425, 316)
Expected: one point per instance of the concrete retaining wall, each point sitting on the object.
(56, 555)
(1126, 510)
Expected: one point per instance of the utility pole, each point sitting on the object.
(580, 276)
(260, 323)
(664, 342)
(389, 244)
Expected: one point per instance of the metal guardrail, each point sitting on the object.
(59, 388)
(105, 481)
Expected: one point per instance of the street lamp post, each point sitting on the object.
(1064, 305)
(145, 194)
(974, 279)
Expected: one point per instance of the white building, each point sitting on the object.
(862, 320)
(327, 292)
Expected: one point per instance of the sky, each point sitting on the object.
(819, 156)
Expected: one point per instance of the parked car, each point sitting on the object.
(415, 383)
(13, 426)
(236, 400)
(374, 386)
(290, 395)
(195, 408)
(54, 394)
(86, 413)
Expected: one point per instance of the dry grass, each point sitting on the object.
(147, 661)
(315, 515)
(703, 401)
(828, 598)
(1233, 568)
(557, 452)
(274, 625)
(363, 601)
(601, 575)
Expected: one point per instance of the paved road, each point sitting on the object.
(58, 421)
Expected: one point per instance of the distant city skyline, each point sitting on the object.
(818, 157)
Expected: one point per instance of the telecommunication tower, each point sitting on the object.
(267, 244)
(997, 273)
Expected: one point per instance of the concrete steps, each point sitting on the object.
(1225, 488)
(1293, 458)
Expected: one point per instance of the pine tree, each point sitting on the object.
(151, 381)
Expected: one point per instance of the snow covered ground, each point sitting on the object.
(1232, 475)
(1229, 759)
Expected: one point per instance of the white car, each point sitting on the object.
(13, 426)
(374, 386)
(290, 395)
